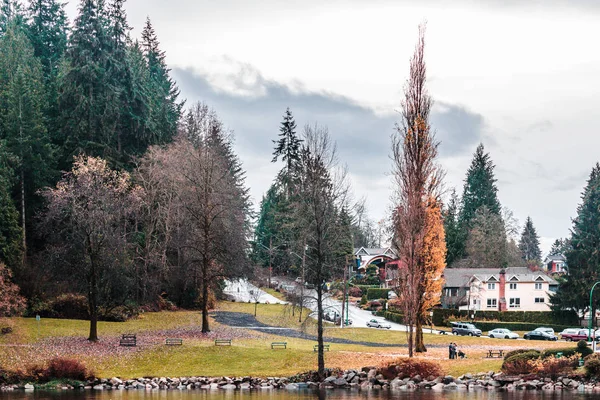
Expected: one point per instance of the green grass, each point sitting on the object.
(271, 314)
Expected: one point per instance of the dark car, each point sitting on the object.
(539, 335)
(464, 328)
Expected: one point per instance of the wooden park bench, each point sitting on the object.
(443, 333)
(495, 354)
(129, 340)
(173, 342)
(222, 342)
(279, 344)
(316, 347)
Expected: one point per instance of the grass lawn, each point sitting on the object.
(250, 353)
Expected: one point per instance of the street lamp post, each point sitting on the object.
(591, 310)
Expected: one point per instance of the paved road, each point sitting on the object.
(244, 291)
(248, 321)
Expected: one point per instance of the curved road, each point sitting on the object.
(248, 321)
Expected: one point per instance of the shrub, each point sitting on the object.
(395, 305)
(67, 368)
(552, 367)
(592, 365)
(520, 351)
(410, 367)
(520, 363)
(568, 351)
(375, 294)
(394, 317)
(355, 292)
(553, 319)
(363, 300)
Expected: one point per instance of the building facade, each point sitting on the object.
(510, 289)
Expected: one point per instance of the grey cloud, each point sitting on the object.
(363, 136)
(573, 182)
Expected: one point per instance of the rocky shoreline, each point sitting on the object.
(366, 379)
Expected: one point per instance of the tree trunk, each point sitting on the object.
(255, 306)
(93, 303)
(320, 354)
(205, 327)
(419, 343)
(23, 225)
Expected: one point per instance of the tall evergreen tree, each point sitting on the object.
(287, 147)
(89, 98)
(48, 33)
(529, 245)
(11, 13)
(583, 256)
(559, 247)
(22, 102)
(479, 190)
(164, 106)
(452, 229)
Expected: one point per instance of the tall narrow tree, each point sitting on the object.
(418, 178)
(452, 229)
(288, 148)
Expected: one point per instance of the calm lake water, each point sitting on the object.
(293, 395)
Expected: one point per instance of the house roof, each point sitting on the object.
(459, 277)
(366, 251)
(555, 257)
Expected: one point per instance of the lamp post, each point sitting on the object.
(591, 310)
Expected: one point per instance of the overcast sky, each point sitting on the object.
(521, 76)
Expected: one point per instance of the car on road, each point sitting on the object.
(378, 324)
(540, 334)
(465, 329)
(503, 334)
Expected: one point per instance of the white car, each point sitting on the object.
(378, 324)
(503, 334)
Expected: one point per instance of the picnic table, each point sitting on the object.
(495, 353)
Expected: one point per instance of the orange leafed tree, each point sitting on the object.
(418, 233)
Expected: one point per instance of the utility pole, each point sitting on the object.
(345, 291)
(270, 259)
(302, 284)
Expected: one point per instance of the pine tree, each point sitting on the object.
(165, 109)
(452, 229)
(287, 147)
(529, 245)
(89, 98)
(22, 102)
(559, 247)
(48, 29)
(479, 190)
(583, 256)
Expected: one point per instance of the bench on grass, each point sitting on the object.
(173, 342)
(279, 344)
(495, 354)
(443, 333)
(222, 342)
(128, 340)
(316, 347)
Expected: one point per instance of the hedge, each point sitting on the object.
(375, 294)
(441, 317)
(486, 326)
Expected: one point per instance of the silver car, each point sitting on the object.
(503, 334)
(378, 324)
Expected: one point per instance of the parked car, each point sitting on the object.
(463, 328)
(503, 334)
(566, 333)
(539, 334)
(582, 334)
(378, 324)
(547, 330)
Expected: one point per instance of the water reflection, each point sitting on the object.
(292, 395)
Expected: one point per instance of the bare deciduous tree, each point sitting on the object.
(322, 191)
(88, 220)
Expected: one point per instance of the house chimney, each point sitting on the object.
(502, 291)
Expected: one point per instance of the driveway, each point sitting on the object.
(244, 292)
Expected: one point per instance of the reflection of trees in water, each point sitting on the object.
(338, 394)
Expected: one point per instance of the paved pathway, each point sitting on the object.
(248, 321)
(244, 292)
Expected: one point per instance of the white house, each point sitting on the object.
(510, 289)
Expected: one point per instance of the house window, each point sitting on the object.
(538, 286)
(512, 286)
(451, 292)
(514, 303)
(491, 286)
(492, 303)
(539, 300)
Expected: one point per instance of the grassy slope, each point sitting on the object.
(249, 356)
